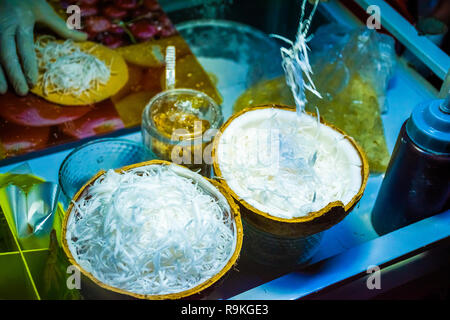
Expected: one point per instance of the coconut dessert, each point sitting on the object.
(289, 167)
(73, 73)
(295, 175)
(156, 231)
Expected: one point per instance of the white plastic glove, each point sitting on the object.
(17, 55)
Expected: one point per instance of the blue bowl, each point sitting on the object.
(90, 158)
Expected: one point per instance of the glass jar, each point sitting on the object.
(178, 125)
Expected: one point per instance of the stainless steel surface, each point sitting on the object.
(250, 55)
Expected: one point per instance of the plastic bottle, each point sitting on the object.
(417, 181)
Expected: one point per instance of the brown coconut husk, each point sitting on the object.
(197, 290)
(118, 78)
(313, 222)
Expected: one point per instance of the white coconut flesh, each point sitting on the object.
(287, 165)
(152, 230)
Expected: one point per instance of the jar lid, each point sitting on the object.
(429, 126)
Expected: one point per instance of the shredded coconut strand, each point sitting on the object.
(295, 61)
(150, 231)
(65, 69)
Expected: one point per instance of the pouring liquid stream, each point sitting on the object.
(295, 61)
(297, 154)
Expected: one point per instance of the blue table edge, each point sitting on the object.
(382, 251)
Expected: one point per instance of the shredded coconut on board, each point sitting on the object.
(65, 69)
(150, 231)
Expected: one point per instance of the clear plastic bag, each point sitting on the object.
(344, 52)
(29, 204)
(351, 70)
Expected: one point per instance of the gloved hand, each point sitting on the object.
(17, 55)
